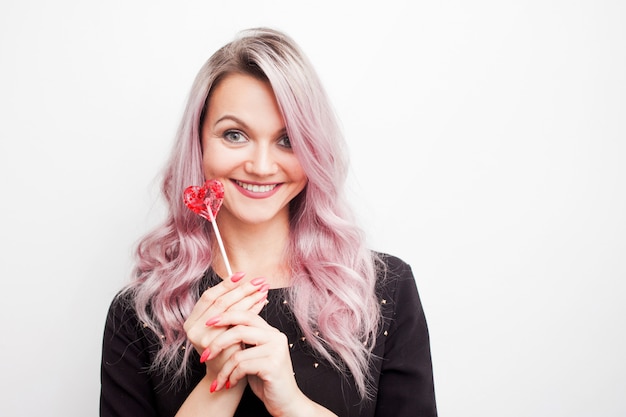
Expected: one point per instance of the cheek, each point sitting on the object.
(295, 170)
(207, 166)
(213, 163)
(301, 176)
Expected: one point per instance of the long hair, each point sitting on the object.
(333, 272)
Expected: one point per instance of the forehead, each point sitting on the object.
(235, 88)
(244, 96)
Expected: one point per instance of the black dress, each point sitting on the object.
(401, 361)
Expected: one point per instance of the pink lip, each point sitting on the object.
(257, 195)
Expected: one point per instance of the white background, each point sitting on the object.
(488, 144)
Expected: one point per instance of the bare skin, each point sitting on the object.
(246, 147)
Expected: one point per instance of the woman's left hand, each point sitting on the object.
(266, 362)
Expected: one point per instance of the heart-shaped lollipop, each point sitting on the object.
(206, 201)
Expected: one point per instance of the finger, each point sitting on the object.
(202, 331)
(240, 317)
(240, 335)
(249, 330)
(256, 309)
(227, 300)
(201, 336)
(216, 300)
(253, 302)
(266, 361)
(251, 361)
(215, 366)
(211, 294)
(237, 299)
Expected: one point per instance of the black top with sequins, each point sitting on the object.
(401, 361)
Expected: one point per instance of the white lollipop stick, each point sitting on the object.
(220, 242)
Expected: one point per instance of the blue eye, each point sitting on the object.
(285, 142)
(234, 136)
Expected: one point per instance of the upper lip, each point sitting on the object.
(256, 187)
(255, 182)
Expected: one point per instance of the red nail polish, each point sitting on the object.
(257, 281)
(212, 321)
(227, 385)
(205, 355)
(264, 288)
(213, 386)
(237, 276)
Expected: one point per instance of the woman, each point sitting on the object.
(317, 324)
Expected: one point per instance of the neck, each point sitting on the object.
(257, 250)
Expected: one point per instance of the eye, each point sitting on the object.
(285, 142)
(234, 136)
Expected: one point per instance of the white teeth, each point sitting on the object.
(256, 188)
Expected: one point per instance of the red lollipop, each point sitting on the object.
(206, 201)
(200, 198)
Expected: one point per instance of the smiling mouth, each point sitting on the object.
(255, 188)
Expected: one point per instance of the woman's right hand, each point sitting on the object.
(231, 294)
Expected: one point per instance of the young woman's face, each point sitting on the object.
(245, 146)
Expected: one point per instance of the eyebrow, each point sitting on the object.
(232, 118)
(237, 120)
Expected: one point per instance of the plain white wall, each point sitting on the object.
(488, 148)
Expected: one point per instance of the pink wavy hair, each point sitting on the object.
(334, 273)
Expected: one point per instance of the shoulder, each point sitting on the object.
(396, 286)
(121, 309)
(122, 322)
(392, 272)
(126, 336)
(390, 266)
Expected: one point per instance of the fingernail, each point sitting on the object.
(227, 385)
(264, 288)
(213, 386)
(205, 355)
(237, 276)
(257, 281)
(212, 321)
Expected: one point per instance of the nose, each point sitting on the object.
(261, 161)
